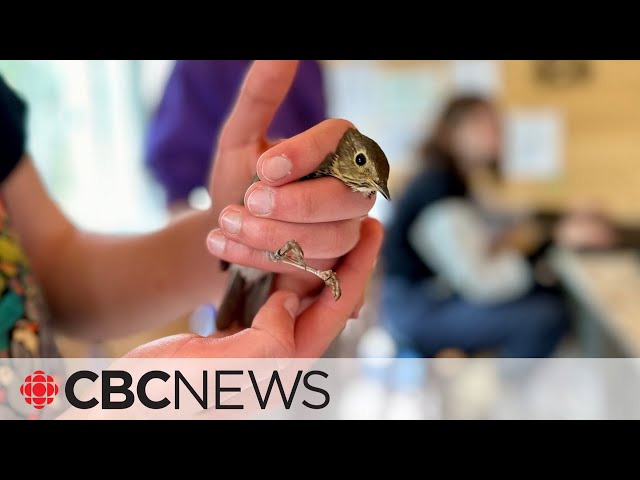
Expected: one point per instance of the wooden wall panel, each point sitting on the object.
(602, 144)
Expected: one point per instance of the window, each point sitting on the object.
(87, 122)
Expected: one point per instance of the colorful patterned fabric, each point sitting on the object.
(24, 332)
(22, 310)
(25, 339)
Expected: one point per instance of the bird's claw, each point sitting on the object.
(331, 280)
(291, 253)
(291, 247)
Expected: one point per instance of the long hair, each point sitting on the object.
(436, 150)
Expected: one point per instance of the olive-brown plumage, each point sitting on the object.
(359, 163)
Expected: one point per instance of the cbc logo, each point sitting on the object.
(39, 389)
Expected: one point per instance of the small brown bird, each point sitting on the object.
(361, 164)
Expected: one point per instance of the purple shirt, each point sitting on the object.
(199, 95)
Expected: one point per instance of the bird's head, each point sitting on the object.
(361, 164)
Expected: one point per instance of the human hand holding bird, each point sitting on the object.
(323, 216)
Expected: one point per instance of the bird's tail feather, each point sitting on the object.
(257, 294)
(243, 299)
(232, 306)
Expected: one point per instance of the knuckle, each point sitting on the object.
(253, 89)
(274, 346)
(344, 237)
(307, 206)
(351, 236)
(257, 258)
(241, 254)
(270, 236)
(337, 241)
(315, 150)
(224, 140)
(256, 87)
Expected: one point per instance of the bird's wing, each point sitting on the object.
(232, 306)
(256, 296)
(246, 293)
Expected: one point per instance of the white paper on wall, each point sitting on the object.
(480, 77)
(533, 144)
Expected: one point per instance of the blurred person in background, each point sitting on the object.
(183, 132)
(454, 275)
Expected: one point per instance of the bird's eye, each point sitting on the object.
(361, 159)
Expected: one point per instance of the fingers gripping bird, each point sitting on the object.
(359, 163)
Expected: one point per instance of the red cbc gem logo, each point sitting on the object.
(39, 389)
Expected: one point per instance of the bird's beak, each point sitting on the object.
(383, 190)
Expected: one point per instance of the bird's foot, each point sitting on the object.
(291, 254)
(292, 248)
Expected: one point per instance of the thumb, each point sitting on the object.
(276, 319)
(242, 139)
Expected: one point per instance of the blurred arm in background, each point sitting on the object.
(589, 228)
(183, 133)
(451, 237)
(583, 227)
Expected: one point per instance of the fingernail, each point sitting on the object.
(291, 305)
(231, 221)
(276, 168)
(260, 202)
(216, 241)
